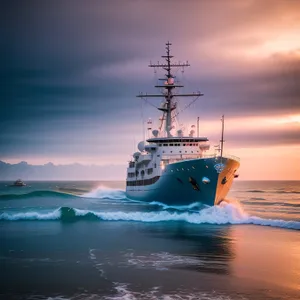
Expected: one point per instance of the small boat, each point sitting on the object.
(19, 182)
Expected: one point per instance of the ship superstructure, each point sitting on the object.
(173, 168)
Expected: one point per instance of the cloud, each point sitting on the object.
(68, 68)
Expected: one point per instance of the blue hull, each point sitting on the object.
(183, 183)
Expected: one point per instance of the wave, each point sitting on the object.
(271, 203)
(35, 194)
(287, 192)
(99, 193)
(223, 214)
(273, 192)
(103, 192)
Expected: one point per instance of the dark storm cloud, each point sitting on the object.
(55, 56)
(275, 89)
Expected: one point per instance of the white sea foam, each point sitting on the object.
(31, 215)
(160, 261)
(178, 207)
(123, 292)
(103, 192)
(222, 214)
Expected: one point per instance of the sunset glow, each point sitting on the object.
(69, 90)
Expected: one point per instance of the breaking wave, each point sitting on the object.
(223, 214)
(103, 192)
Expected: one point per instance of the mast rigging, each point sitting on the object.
(169, 105)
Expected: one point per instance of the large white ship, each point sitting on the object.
(173, 168)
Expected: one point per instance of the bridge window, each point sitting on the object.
(149, 171)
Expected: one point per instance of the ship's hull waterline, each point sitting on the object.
(204, 180)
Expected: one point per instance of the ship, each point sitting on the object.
(175, 168)
(19, 182)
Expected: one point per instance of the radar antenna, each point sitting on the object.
(169, 105)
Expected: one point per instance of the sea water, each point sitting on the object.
(86, 240)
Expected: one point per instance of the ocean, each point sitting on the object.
(86, 240)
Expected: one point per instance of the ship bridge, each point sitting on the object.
(168, 140)
(178, 145)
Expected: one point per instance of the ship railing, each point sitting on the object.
(178, 157)
(224, 155)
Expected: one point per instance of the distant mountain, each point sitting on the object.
(50, 171)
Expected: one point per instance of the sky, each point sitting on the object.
(70, 72)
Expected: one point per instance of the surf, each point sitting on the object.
(103, 192)
(226, 214)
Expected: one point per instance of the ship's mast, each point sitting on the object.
(222, 136)
(169, 106)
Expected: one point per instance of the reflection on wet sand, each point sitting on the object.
(267, 255)
(209, 246)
